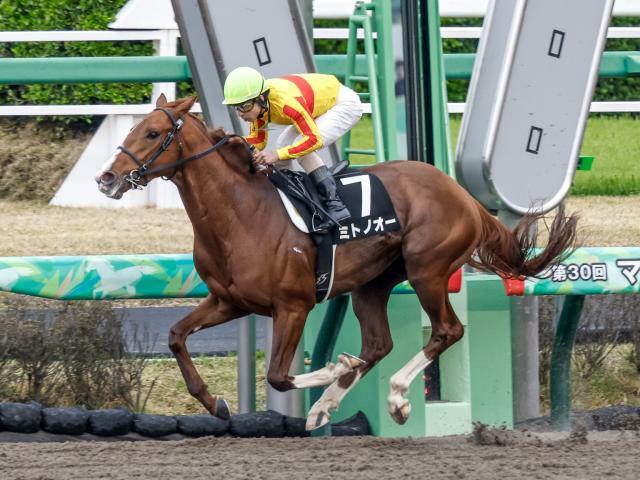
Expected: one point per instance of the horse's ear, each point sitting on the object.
(161, 100)
(184, 106)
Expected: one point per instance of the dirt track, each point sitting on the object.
(494, 455)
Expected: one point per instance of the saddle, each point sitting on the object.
(298, 188)
(372, 213)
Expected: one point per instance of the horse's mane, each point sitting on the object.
(216, 134)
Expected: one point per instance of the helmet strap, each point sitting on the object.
(263, 101)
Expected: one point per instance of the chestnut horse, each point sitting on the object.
(253, 260)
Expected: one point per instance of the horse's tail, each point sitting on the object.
(509, 253)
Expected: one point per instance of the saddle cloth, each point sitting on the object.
(367, 200)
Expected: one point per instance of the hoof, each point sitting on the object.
(317, 421)
(401, 415)
(222, 409)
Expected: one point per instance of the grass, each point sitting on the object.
(616, 383)
(170, 396)
(362, 137)
(614, 141)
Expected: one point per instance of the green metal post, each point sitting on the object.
(438, 119)
(375, 95)
(380, 76)
(352, 50)
(561, 361)
(428, 138)
(386, 75)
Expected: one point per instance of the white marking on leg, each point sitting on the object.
(320, 413)
(328, 374)
(399, 406)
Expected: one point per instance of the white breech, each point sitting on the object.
(333, 124)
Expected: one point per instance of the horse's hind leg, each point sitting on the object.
(370, 307)
(431, 289)
(210, 312)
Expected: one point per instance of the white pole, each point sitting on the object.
(165, 46)
(247, 364)
(524, 347)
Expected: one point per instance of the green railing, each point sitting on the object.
(22, 71)
(588, 271)
(102, 277)
(110, 277)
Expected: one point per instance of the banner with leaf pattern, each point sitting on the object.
(102, 277)
(589, 271)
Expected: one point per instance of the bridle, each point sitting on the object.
(137, 177)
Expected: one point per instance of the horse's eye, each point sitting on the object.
(151, 135)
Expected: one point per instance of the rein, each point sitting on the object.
(137, 178)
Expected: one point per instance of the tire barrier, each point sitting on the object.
(118, 422)
(70, 421)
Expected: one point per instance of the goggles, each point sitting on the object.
(245, 107)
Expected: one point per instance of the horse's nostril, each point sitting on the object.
(107, 178)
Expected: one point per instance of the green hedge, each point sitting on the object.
(609, 89)
(97, 14)
(22, 15)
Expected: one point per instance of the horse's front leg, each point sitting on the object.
(330, 373)
(370, 307)
(288, 324)
(210, 312)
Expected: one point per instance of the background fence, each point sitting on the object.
(166, 41)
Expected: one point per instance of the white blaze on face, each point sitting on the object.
(108, 165)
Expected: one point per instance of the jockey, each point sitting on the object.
(318, 110)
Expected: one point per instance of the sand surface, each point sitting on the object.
(492, 454)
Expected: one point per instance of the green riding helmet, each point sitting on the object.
(243, 84)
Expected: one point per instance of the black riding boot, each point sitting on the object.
(326, 185)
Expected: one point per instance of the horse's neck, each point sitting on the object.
(209, 187)
(206, 190)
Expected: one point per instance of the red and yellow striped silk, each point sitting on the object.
(296, 100)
